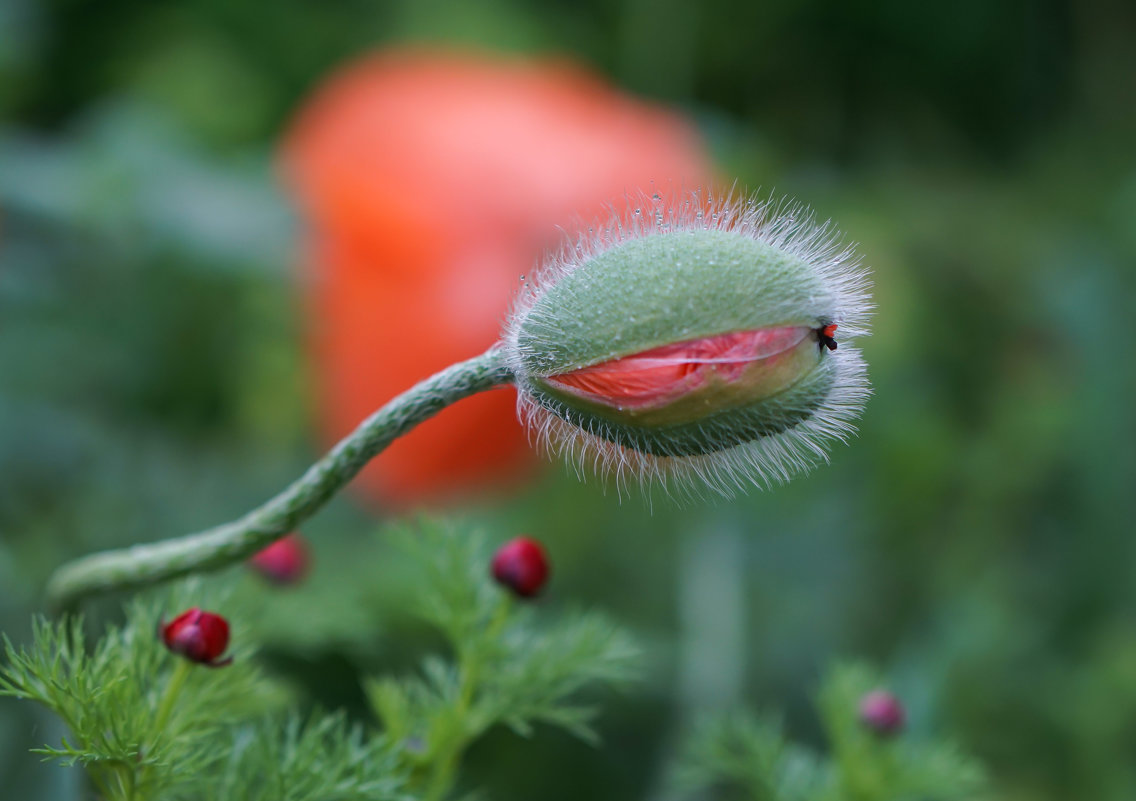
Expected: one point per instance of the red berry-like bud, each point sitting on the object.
(285, 561)
(522, 566)
(198, 636)
(882, 712)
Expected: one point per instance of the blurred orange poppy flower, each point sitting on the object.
(428, 183)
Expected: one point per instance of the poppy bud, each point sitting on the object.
(522, 566)
(198, 636)
(882, 712)
(285, 561)
(696, 341)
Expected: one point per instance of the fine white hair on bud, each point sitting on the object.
(701, 343)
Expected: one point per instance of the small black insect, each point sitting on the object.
(824, 336)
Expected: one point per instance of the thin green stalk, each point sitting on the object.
(134, 776)
(443, 779)
(114, 782)
(470, 664)
(227, 544)
(169, 698)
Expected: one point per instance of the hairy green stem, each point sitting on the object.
(224, 545)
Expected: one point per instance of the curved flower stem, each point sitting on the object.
(218, 547)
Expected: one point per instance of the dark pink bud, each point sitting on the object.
(285, 561)
(882, 712)
(522, 566)
(198, 636)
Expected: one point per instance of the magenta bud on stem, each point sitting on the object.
(882, 712)
(521, 565)
(199, 636)
(284, 562)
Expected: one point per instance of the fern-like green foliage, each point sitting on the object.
(110, 696)
(511, 666)
(871, 768)
(740, 756)
(149, 726)
(321, 759)
(746, 757)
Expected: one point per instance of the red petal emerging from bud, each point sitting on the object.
(522, 566)
(285, 561)
(713, 371)
(198, 636)
(882, 712)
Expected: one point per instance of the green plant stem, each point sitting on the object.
(129, 784)
(227, 544)
(169, 698)
(136, 777)
(442, 779)
(122, 786)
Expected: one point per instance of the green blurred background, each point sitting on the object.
(975, 541)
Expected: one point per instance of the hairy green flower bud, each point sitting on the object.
(696, 342)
